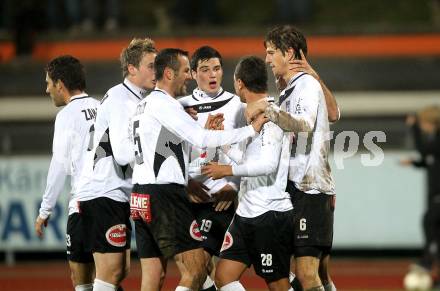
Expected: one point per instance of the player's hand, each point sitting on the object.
(39, 224)
(302, 66)
(197, 191)
(253, 109)
(192, 112)
(216, 171)
(215, 122)
(224, 198)
(259, 121)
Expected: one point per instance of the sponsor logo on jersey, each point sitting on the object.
(204, 107)
(117, 235)
(228, 241)
(194, 231)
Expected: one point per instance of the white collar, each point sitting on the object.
(203, 95)
(139, 92)
(81, 95)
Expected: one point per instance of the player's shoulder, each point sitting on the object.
(116, 93)
(272, 130)
(226, 95)
(187, 100)
(307, 81)
(231, 99)
(158, 100)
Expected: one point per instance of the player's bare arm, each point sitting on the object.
(216, 171)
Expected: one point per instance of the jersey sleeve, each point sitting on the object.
(59, 167)
(175, 119)
(266, 162)
(119, 131)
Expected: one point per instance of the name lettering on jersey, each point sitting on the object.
(89, 113)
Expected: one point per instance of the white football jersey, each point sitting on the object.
(108, 171)
(162, 132)
(309, 167)
(233, 111)
(263, 170)
(70, 142)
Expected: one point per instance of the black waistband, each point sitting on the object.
(154, 188)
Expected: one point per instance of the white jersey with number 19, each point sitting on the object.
(162, 131)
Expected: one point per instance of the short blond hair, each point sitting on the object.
(430, 114)
(133, 54)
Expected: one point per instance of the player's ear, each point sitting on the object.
(290, 53)
(193, 74)
(168, 73)
(59, 85)
(131, 69)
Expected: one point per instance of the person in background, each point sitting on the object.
(425, 127)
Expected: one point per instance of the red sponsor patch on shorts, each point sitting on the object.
(140, 207)
(117, 235)
(228, 241)
(194, 231)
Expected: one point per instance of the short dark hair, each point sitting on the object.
(287, 36)
(204, 53)
(167, 58)
(252, 72)
(69, 70)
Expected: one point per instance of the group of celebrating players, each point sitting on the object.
(244, 177)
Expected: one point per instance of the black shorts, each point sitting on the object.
(75, 241)
(106, 225)
(213, 225)
(167, 225)
(264, 241)
(313, 222)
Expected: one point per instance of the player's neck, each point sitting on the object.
(165, 86)
(70, 94)
(254, 97)
(290, 75)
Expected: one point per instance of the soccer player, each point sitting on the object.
(261, 231)
(162, 130)
(303, 110)
(66, 83)
(106, 184)
(215, 213)
(297, 66)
